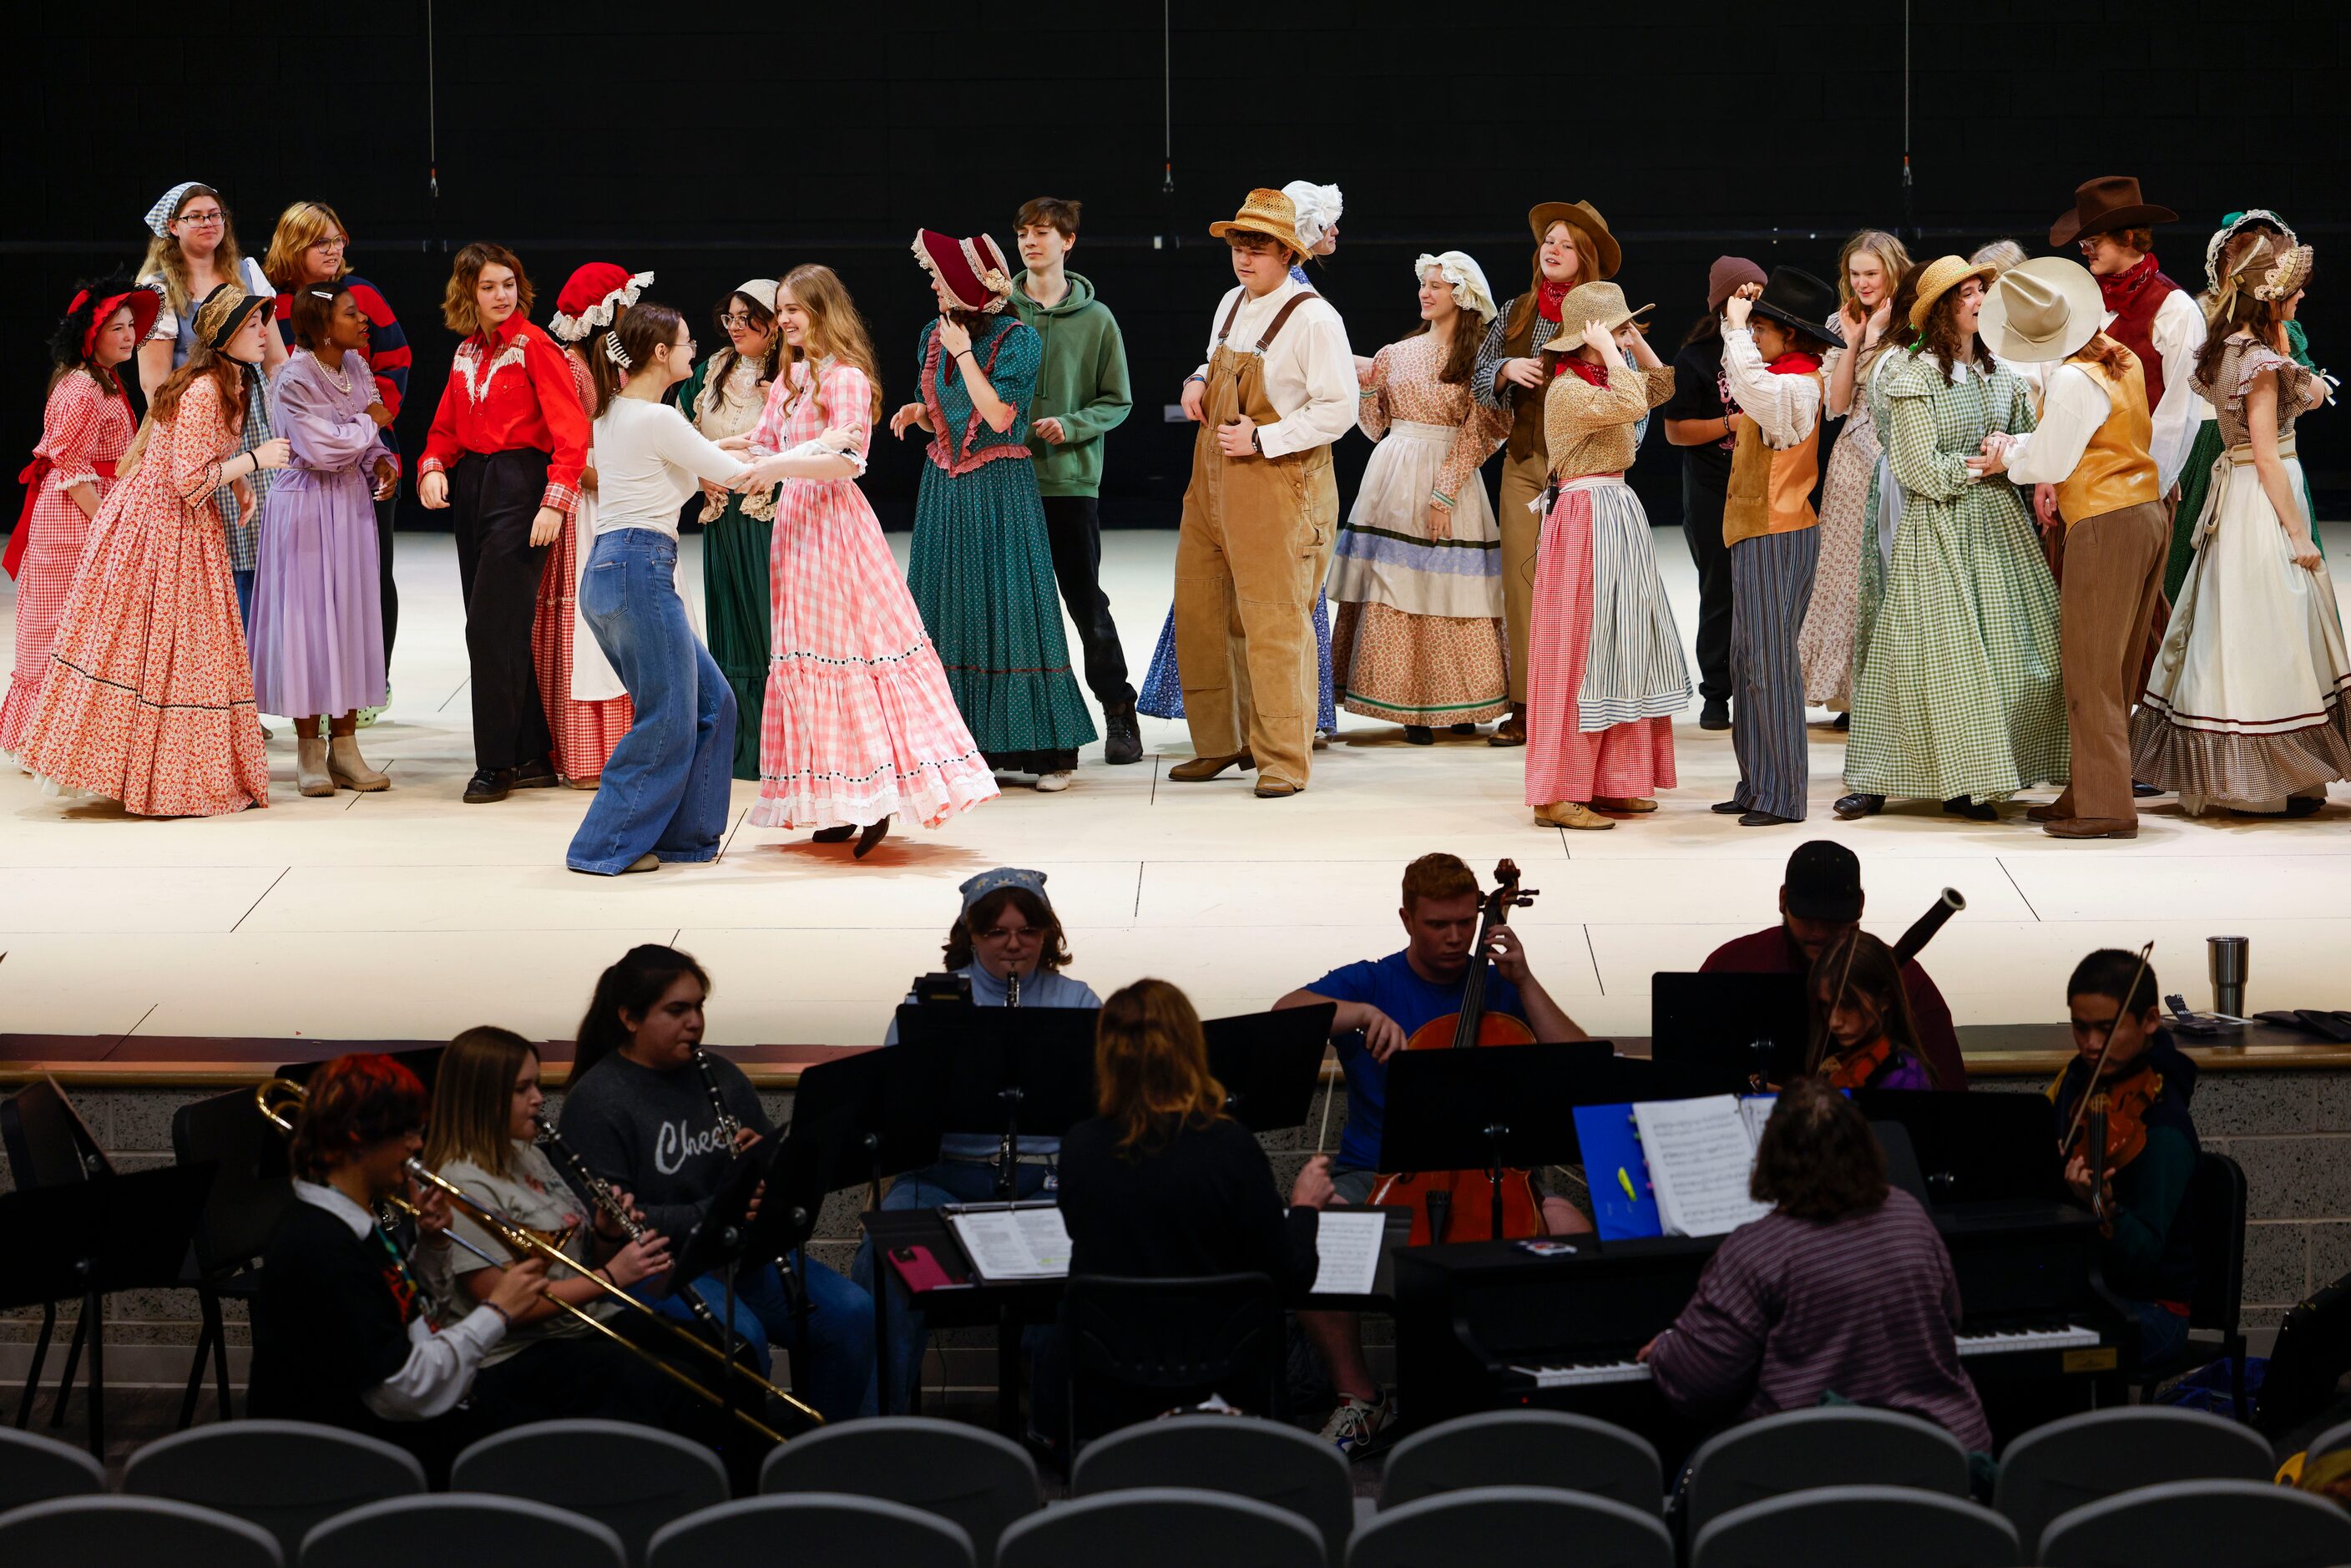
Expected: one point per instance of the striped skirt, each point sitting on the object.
(1605, 668)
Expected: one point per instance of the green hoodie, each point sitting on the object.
(1083, 383)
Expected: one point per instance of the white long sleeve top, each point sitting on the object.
(1310, 370)
(1785, 409)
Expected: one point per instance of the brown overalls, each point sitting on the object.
(1257, 537)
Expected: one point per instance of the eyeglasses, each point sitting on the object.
(1011, 934)
(205, 220)
(333, 242)
(734, 318)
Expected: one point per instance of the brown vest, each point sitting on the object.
(1771, 492)
(1527, 438)
(2117, 470)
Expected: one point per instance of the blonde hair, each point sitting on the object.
(2000, 255)
(835, 330)
(167, 265)
(473, 1100)
(1893, 258)
(1151, 1066)
(299, 227)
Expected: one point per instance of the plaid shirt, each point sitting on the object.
(242, 528)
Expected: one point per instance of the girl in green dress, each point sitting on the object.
(980, 571)
(724, 397)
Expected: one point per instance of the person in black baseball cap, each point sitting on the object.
(1821, 899)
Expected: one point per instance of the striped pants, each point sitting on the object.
(1770, 587)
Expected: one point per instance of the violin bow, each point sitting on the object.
(2081, 1106)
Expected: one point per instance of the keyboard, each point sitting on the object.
(1591, 1374)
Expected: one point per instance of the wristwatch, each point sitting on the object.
(1257, 443)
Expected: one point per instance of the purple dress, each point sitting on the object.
(318, 615)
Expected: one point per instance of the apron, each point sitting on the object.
(1257, 535)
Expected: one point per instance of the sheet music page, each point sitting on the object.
(1699, 1157)
(1755, 1110)
(1013, 1243)
(1348, 1247)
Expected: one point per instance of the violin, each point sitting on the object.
(1463, 1205)
(2108, 1127)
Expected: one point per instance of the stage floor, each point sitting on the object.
(408, 914)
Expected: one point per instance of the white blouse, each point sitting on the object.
(648, 461)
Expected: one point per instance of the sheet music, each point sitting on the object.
(1700, 1157)
(1013, 1243)
(1754, 1110)
(1347, 1244)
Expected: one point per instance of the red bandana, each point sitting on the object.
(1548, 297)
(1794, 362)
(2123, 286)
(1593, 375)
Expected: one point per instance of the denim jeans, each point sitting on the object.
(950, 1181)
(667, 786)
(2162, 1333)
(834, 1361)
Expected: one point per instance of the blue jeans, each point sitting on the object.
(950, 1181)
(835, 1360)
(666, 788)
(2162, 1333)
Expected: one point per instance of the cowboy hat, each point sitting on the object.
(2102, 205)
(2041, 310)
(1268, 212)
(1607, 256)
(1795, 298)
(1944, 274)
(1587, 303)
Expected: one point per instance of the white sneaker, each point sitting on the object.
(1355, 1426)
(1052, 783)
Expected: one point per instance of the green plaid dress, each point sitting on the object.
(1955, 685)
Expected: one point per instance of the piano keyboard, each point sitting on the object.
(1589, 1374)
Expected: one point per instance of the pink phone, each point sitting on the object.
(919, 1269)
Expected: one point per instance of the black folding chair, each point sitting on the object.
(1139, 1348)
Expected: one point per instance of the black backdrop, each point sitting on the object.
(712, 144)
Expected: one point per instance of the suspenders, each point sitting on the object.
(1273, 328)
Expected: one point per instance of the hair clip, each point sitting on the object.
(326, 294)
(617, 354)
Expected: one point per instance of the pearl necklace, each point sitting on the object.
(342, 379)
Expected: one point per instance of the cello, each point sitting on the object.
(1484, 1204)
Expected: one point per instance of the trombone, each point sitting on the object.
(277, 1099)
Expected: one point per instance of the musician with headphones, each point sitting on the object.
(342, 1333)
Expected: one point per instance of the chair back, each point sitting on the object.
(1139, 1348)
(286, 1477)
(1162, 1527)
(1838, 1527)
(632, 1479)
(1825, 1445)
(2213, 1209)
(460, 1527)
(1239, 1455)
(812, 1528)
(969, 1476)
(2245, 1524)
(1525, 1448)
(113, 1531)
(2055, 1468)
(1513, 1524)
(45, 1139)
(251, 1190)
(34, 1468)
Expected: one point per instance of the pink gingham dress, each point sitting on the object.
(860, 724)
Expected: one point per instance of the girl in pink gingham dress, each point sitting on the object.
(859, 724)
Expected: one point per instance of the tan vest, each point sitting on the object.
(1771, 492)
(2115, 470)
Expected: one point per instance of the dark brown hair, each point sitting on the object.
(2105, 972)
(1858, 963)
(311, 311)
(349, 1103)
(1053, 946)
(1941, 336)
(457, 310)
(641, 328)
(1151, 1067)
(1900, 333)
(1058, 211)
(1817, 1158)
(2249, 256)
(722, 364)
(1461, 356)
(634, 985)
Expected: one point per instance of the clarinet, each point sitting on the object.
(730, 1127)
(600, 1193)
(1012, 988)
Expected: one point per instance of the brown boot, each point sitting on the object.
(1512, 731)
(1631, 805)
(1571, 814)
(2092, 828)
(349, 769)
(310, 765)
(1201, 768)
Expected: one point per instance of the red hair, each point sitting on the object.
(351, 1102)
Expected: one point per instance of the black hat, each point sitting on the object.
(1823, 881)
(1795, 298)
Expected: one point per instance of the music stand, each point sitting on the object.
(717, 1245)
(1721, 1033)
(90, 1237)
(1975, 1147)
(1269, 1063)
(1483, 1109)
(1027, 1071)
(857, 1117)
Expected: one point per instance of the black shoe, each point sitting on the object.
(1420, 735)
(1726, 808)
(1122, 737)
(1973, 810)
(839, 835)
(2143, 790)
(871, 839)
(1849, 807)
(1841, 721)
(1764, 820)
(488, 785)
(1715, 714)
(1464, 729)
(537, 774)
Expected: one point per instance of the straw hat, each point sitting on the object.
(1944, 274)
(1585, 218)
(1585, 304)
(2041, 310)
(1268, 212)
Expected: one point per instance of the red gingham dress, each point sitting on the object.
(584, 733)
(83, 431)
(860, 724)
(150, 696)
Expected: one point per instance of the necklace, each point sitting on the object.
(341, 378)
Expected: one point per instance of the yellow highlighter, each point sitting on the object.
(1625, 1181)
